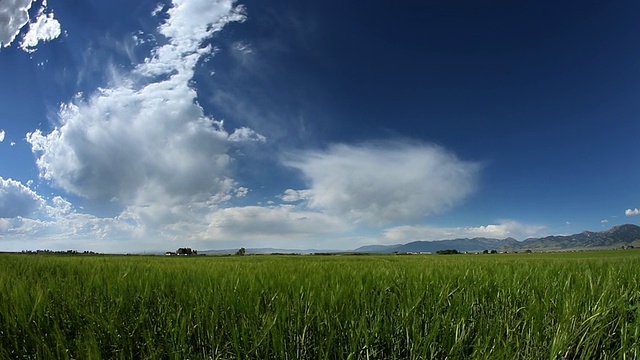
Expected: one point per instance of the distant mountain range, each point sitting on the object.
(475, 244)
(617, 237)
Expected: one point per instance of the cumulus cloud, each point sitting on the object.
(281, 224)
(17, 200)
(71, 231)
(130, 145)
(246, 134)
(291, 195)
(2, 134)
(403, 234)
(57, 225)
(146, 140)
(60, 207)
(44, 28)
(385, 182)
(144, 143)
(241, 192)
(14, 15)
(632, 212)
(189, 23)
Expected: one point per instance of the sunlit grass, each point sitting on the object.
(524, 306)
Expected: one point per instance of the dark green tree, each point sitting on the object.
(447, 252)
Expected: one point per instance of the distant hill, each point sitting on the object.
(471, 245)
(616, 237)
(378, 249)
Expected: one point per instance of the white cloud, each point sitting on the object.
(146, 141)
(201, 224)
(146, 144)
(143, 143)
(242, 47)
(71, 231)
(58, 225)
(14, 14)
(44, 28)
(2, 134)
(632, 212)
(60, 207)
(241, 191)
(284, 222)
(134, 144)
(279, 226)
(17, 199)
(190, 22)
(404, 234)
(291, 195)
(604, 221)
(385, 182)
(158, 9)
(246, 134)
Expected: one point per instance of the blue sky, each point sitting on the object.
(316, 124)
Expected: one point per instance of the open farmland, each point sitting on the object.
(509, 306)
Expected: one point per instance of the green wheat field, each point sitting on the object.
(507, 306)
